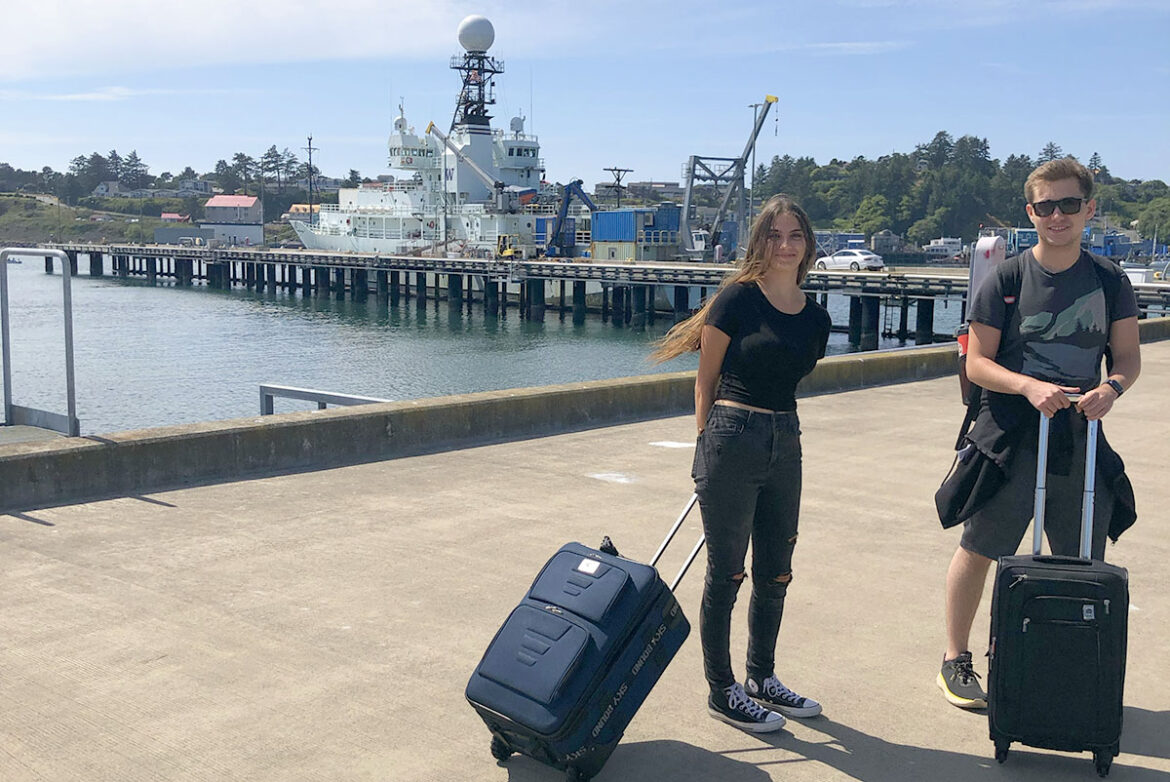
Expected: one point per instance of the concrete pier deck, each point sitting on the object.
(321, 626)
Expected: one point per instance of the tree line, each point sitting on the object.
(243, 175)
(947, 187)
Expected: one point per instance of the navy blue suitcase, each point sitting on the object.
(1058, 641)
(576, 658)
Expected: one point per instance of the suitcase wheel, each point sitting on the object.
(574, 774)
(500, 749)
(1001, 751)
(1103, 759)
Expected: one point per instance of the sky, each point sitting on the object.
(636, 85)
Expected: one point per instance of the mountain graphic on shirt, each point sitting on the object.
(1066, 346)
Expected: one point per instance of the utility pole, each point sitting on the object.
(618, 173)
(309, 149)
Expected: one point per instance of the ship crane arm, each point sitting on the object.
(741, 163)
(487, 178)
(555, 246)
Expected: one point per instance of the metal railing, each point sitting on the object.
(269, 392)
(14, 414)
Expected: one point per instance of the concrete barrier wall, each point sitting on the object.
(71, 470)
(128, 463)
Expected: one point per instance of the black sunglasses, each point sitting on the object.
(1068, 206)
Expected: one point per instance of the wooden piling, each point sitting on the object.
(682, 303)
(924, 326)
(870, 321)
(638, 319)
(854, 320)
(420, 281)
(579, 304)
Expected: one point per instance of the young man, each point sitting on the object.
(1040, 324)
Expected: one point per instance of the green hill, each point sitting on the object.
(26, 221)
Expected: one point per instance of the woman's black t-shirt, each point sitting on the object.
(770, 351)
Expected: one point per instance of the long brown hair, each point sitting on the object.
(684, 336)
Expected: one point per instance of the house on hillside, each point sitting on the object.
(194, 187)
(174, 217)
(659, 190)
(108, 189)
(321, 184)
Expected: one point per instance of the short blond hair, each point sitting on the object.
(1056, 170)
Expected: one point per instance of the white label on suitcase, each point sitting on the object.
(1088, 612)
(589, 566)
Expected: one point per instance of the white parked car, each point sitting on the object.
(854, 260)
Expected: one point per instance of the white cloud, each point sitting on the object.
(110, 94)
(71, 37)
(853, 48)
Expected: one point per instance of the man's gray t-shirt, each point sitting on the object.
(1058, 330)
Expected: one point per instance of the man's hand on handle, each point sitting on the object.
(1048, 398)
(1096, 403)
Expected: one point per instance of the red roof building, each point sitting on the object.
(233, 209)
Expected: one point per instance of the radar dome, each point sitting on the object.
(476, 33)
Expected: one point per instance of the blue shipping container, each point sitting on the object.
(666, 217)
(616, 226)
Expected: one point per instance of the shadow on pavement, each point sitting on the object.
(33, 519)
(1145, 732)
(865, 757)
(649, 760)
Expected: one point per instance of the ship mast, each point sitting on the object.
(477, 71)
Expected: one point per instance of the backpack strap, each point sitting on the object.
(1011, 274)
(1107, 275)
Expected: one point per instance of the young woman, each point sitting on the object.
(756, 337)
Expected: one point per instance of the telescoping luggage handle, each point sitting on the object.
(1090, 485)
(670, 536)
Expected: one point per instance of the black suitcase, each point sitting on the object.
(1058, 640)
(570, 666)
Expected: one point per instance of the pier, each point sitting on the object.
(879, 302)
(322, 625)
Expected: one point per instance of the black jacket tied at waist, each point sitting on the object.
(1004, 422)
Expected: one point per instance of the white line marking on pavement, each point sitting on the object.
(612, 477)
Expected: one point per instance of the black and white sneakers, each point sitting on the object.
(733, 706)
(775, 695)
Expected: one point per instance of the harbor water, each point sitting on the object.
(153, 355)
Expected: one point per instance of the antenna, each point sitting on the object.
(617, 187)
(477, 70)
(310, 149)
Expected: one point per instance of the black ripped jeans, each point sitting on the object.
(747, 473)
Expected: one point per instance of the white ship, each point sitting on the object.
(469, 192)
